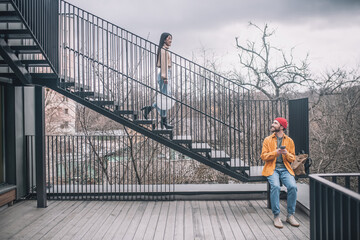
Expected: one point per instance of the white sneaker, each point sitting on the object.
(292, 221)
(278, 223)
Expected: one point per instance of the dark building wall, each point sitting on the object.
(299, 124)
(18, 106)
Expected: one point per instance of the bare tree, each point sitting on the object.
(270, 69)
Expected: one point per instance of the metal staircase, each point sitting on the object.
(113, 72)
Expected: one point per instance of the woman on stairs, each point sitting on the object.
(164, 74)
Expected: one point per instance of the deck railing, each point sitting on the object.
(105, 168)
(335, 208)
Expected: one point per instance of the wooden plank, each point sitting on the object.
(243, 208)
(79, 222)
(170, 223)
(109, 221)
(150, 229)
(31, 214)
(148, 220)
(125, 224)
(197, 222)
(91, 226)
(287, 230)
(266, 216)
(264, 227)
(13, 212)
(216, 227)
(188, 221)
(119, 220)
(56, 230)
(160, 227)
(67, 208)
(131, 230)
(206, 222)
(223, 221)
(232, 220)
(36, 226)
(302, 218)
(179, 220)
(241, 221)
(140, 232)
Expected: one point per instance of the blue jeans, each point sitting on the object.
(163, 88)
(289, 181)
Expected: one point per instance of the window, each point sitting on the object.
(66, 111)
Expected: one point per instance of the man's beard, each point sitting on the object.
(273, 129)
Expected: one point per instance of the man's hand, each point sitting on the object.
(281, 151)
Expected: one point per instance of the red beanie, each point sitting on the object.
(282, 122)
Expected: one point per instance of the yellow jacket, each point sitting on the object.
(269, 154)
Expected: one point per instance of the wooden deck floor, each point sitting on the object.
(147, 220)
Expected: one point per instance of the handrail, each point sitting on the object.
(334, 210)
(148, 41)
(158, 92)
(320, 178)
(44, 33)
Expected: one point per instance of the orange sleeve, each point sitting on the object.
(267, 153)
(290, 156)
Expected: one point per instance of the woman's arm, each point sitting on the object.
(164, 65)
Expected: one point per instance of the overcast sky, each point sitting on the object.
(329, 30)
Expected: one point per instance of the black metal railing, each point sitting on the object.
(118, 66)
(335, 208)
(41, 20)
(105, 168)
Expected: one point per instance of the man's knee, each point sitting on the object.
(275, 187)
(292, 187)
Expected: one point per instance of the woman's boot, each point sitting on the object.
(165, 124)
(147, 110)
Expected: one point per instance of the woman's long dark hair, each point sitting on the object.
(161, 43)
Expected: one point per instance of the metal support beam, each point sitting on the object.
(14, 63)
(40, 148)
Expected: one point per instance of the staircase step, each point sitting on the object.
(219, 156)
(200, 147)
(239, 164)
(66, 84)
(124, 112)
(144, 121)
(45, 76)
(31, 63)
(16, 33)
(26, 49)
(103, 103)
(81, 87)
(100, 95)
(163, 131)
(9, 17)
(84, 94)
(186, 139)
